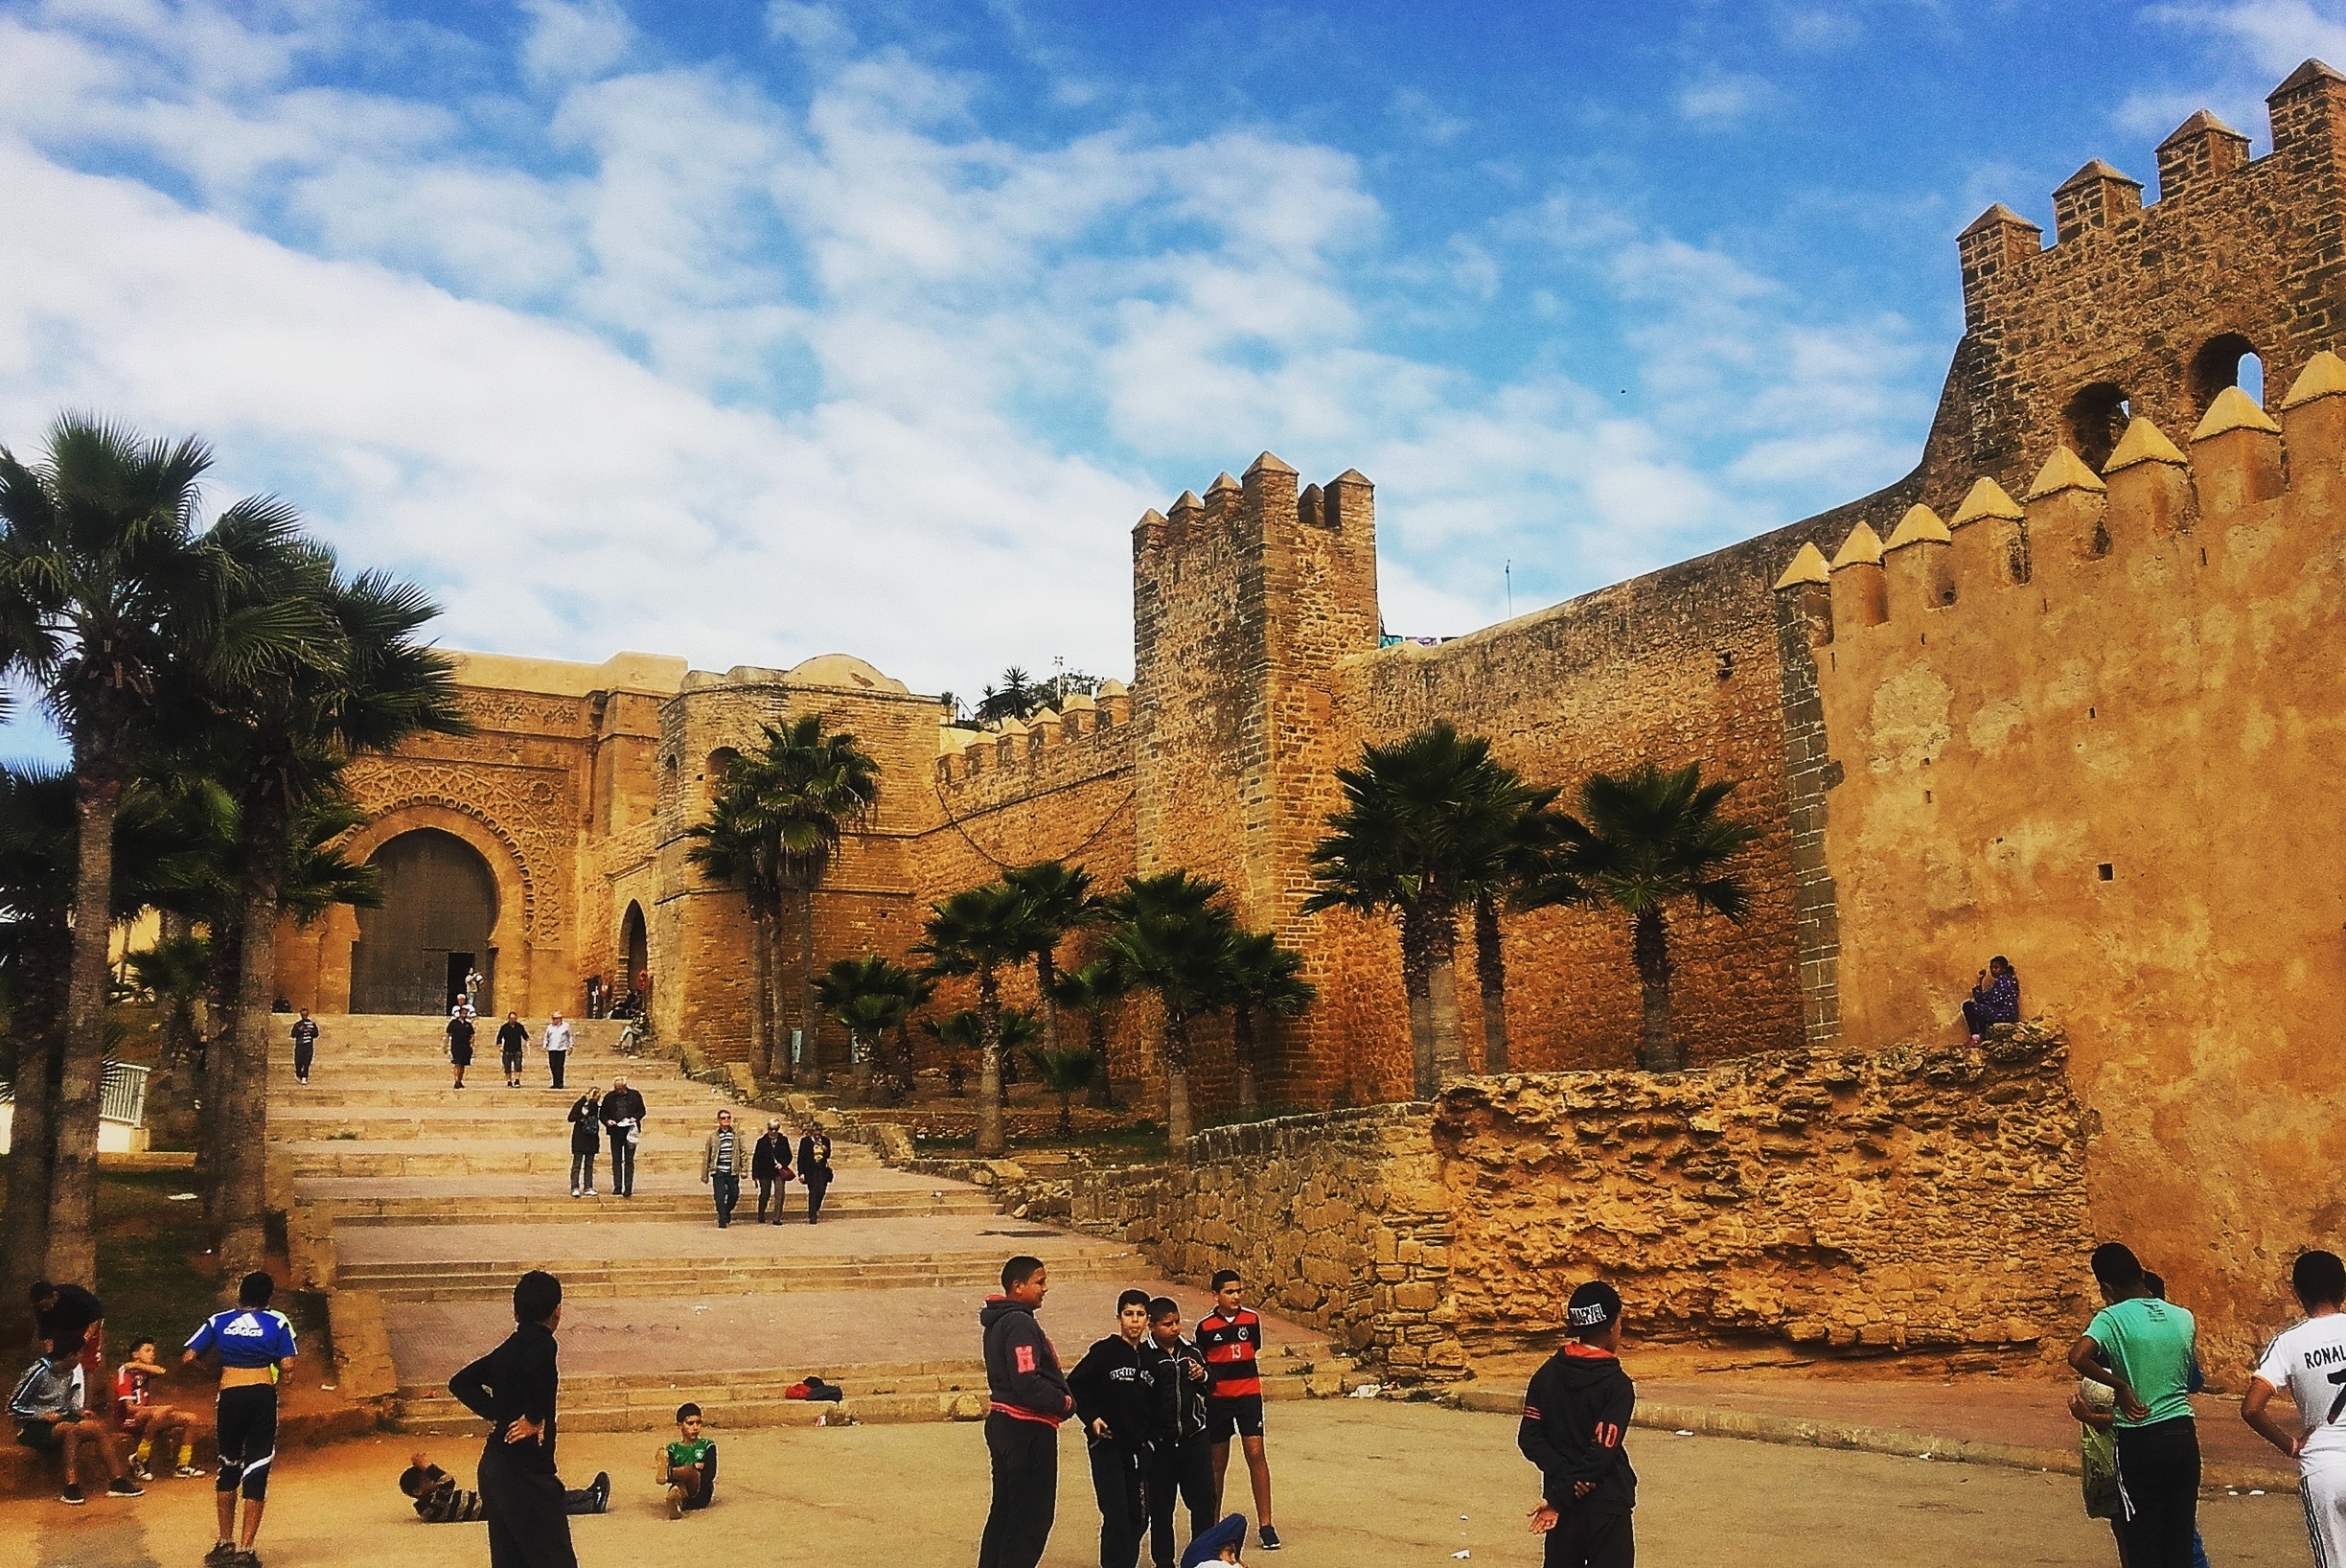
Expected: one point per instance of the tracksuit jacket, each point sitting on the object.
(1022, 1376)
(1183, 1412)
(1573, 1421)
(1125, 1384)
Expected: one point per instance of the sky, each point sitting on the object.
(751, 332)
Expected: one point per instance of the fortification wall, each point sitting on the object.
(1906, 1199)
(2089, 731)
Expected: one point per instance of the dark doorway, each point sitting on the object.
(438, 906)
(635, 960)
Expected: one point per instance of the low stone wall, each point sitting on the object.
(1337, 1221)
(1914, 1197)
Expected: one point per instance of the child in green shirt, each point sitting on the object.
(687, 1466)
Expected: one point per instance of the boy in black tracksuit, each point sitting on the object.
(1182, 1465)
(1579, 1407)
(1117, 1387)
(1028, 1398)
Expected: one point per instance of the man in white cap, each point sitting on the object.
(557, 1043)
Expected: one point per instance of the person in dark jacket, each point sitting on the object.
(512, 1036)
(1117, 1387)
(1027, 1397)
(585, 1137)
(815, 1170)
(460, 1045)
(623, 1115)
(769, 1162)
(1180, 1464)
(512, 1388)
(1573, 1417)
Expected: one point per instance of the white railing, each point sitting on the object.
(122, 1098)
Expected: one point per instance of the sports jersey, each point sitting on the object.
(129, 1389)
(48, 1390)
(695, 1452)
(2150, 1341)
(2310, 1362)
(244, 1336)
(1231, 1341)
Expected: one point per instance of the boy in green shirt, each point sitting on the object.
(2143, 1348)
(687, 1466)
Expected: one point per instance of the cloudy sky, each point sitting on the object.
(754, 330)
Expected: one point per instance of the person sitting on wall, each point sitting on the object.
(1994, 999)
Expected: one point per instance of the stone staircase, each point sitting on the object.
(417, 1205)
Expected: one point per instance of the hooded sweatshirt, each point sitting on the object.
(1022, 1376)
(1125, 1384)
(1573, 1421)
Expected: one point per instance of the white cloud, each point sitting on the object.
(1724, 99)
(572, 42)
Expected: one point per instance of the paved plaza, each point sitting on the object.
(1359, 1485)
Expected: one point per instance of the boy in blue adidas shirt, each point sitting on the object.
(255, 1348)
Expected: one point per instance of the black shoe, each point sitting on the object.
(599, 1489)
(221, 1551)
(124, 1486)
(72, 1494)
(1270, 1538)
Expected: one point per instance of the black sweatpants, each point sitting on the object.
(1179, 1472)
(529, 1522)
(814, 1199)
(305, 1052)
(1118, 1477)
(1591, 1540)
(1025, 1460)
(623, 1164)
(2158, 1479)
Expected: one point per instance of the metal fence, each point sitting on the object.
(122, 1098)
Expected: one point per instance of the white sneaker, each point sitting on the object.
(590, 1192)
(574, 1191)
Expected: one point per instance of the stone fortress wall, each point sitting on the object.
(2181, 603)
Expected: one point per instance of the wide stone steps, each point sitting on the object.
(456, 1157)
(505, 1120)
(844, 1202)
(487, 1279)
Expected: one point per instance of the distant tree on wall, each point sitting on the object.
(1262, 977)
(976, 935)
(870, 997)
(1643, 842)
(1093, 991)
(1059, 900)
(1428, 822)
(1172, 936)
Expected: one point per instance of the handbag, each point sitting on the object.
(635, 1137)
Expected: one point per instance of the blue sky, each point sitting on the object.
(756, 330)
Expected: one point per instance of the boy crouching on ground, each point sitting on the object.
(1573, 1421)
(1219, 1544)
(687, 1466)
(440, 1501)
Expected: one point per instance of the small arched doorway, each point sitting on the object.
(439, 905)
(636, 961)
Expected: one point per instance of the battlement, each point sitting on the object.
(965, 752)
(2138, 310)
(1235, 512)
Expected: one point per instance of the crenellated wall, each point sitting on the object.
(2093, 730)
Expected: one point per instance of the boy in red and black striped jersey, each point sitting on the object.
(1573, 1417)
(1230, 1336)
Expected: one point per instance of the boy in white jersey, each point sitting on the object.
(2310, 1360)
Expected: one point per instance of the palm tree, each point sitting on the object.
(1013, 699)
(1262, 977)
(106, 593)
(1062, 1072)
(728, 846)
(1506, 835)
(1173, 937)
(976, 933)
(813, 785)
(957, 1034)
(1059, 899)
(868, 996)
(1643, 840)
(1092, 990)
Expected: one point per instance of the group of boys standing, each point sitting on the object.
(1158, 1411)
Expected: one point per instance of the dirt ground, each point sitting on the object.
(1358, 1485)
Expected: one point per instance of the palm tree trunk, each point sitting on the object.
(73, 1191)
(778, 1017)
(990, 1140)
(39, 1015)
(761, 1026)
(226, 1007)
(1417, 988)
(243, 1122)
(1045, 970)
(802, 987)
(1242, 1047)
(1441, 991)
(1490, 975)
(1095, 1036)
(1649, 949)
(1177, 1082)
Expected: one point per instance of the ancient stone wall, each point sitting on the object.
(1899, 1199)
(1337, 1221)
(2091, 730)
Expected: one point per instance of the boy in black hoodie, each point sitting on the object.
(1118, 1387)
(1182, 1468)
(1573, 1421)
(1028, 1398)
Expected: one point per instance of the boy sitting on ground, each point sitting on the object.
(1220, 1544)
(440, 1501)
(48, 1409)
(687, 1466)
(153, 1425)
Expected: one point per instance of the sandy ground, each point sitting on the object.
(1360, 1485)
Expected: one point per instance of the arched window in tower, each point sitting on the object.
(2094, 421)
(2227, 360)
